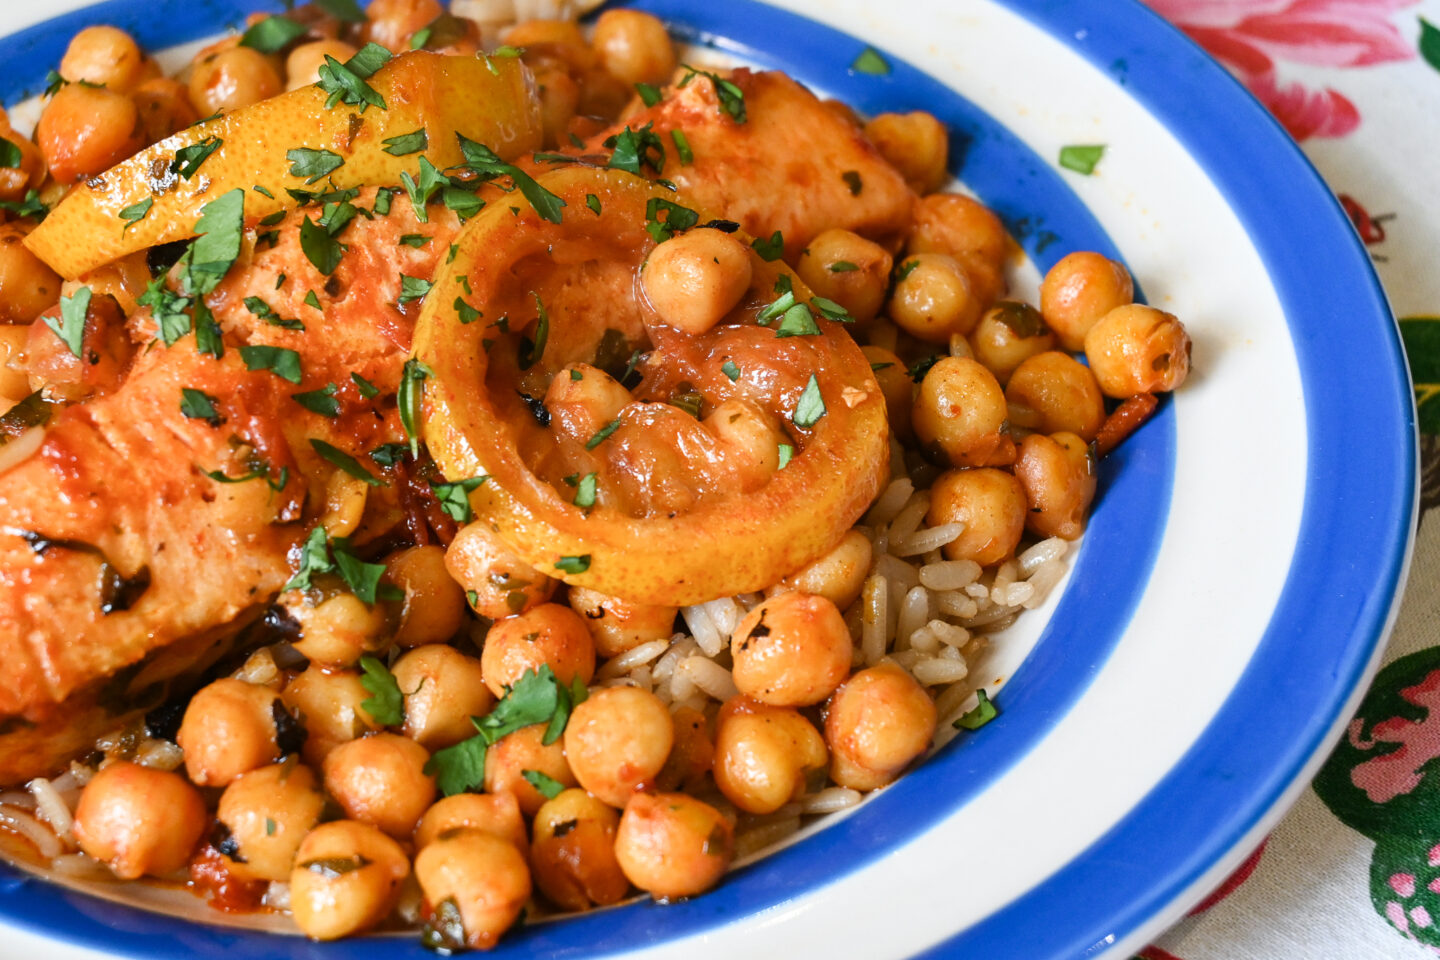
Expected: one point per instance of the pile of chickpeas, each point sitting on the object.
(646, 793)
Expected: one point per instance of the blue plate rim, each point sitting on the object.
(1056, 19)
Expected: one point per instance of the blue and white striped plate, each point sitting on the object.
(1228, 604)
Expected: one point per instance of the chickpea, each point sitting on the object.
(500, 582)
(1053, 392)
(164, 107)
(751, 437)
(434, 607)
(961, 413)
(345, 499)
(634, 47)
(580, 407)
(560, 39)
(617, 742)
(29, 173)
(991, 503)
(339, 630)
(302, 66)
(509, 757)
(763, 754)
(1138, 349)
(381, 779)
(672, 845)
(616, 625)
(481, 876)
(691, 757)
(559, 98)
(837, 576)
(27, 285)
(232, 78)
(791, 650)
(916, 144)
(895, 384)
(695, 279)
(268, 813)
(346, 879)
(1081, 289)
(573, 855)
(879, 721)
(497, 813)
(105, 56)
(1007, 335)
(228, 729)
(329, 705)
(967, 230)
(139, 821)
(393, 22)
(933, 299)
(443, 689)
(14, 384)
(602, 95)
(1059, 480)
(547, 634)
(85, 130)
(847, 268)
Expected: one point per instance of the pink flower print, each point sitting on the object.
(1252, 36)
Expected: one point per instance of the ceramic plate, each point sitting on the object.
(1226, 607)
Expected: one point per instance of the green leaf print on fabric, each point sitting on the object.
(1405, 886)
(1422, 345)
(1384, 778)
(1430, 43)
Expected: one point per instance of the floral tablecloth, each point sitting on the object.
(1353, 872)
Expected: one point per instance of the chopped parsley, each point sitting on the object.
(573, 564)
(810, 407)
(730, 370)
(386, 705)
(267, 313)
(188, 159)
(843, 266)
(319, 555)
(220, 227)
(407, 143)
(136, 212)
(70, 325)
(281, 361)
(366, 388)
(388, 454)
(31, 208)
(676, 218)
(781, 306)
(430, 182)
(649, 93)
(593, 202)
(870, 61)
(537, 697)
(413, 288)
(831, 310)
(311, 300)
(10, 155)
(320, 246)
(273, 34)
(345, 82)
(1081, 159)
(853, 181)
(199, 405)
(731, 97)
(454, 497)
(602, 433)
(682, 147)
(465, 312)
(798, 321)
(549, 787)
(906, 268)
(787, 453)
(342, 460)
(415, 240)
(585, 490)
(320, 401)
(346, 10)
(314, 165)
(636, 149)
(983, 713)
(772, 249)
(919, 368)
(482, 160)
(412, 391)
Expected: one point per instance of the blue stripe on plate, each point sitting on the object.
(1324, 631)
(1356, 527)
